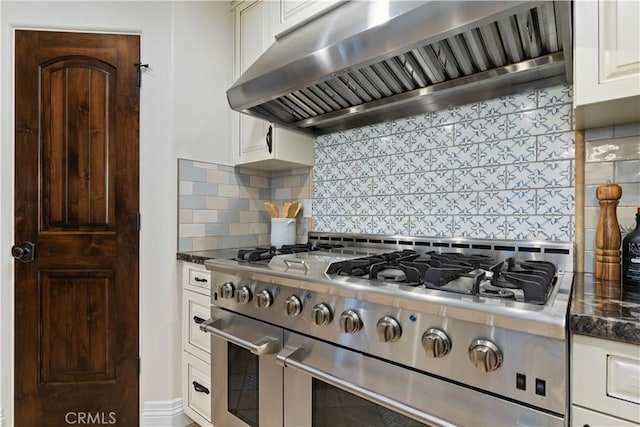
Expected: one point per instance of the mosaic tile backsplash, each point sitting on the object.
(223, 207)
(612, 154)
(502, 168)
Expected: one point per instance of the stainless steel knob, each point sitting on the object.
(292, 306)
(264, 299)
(350, 322)
(244, 295)
(227, 290)
(321, 314)
(388, 329)
(485, 355)
(436, 343)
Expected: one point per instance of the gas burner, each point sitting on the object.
(262, 255)
(528, 281)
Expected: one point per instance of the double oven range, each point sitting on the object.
(391, 331)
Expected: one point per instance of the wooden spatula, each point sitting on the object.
(285, 209)
(272, 209)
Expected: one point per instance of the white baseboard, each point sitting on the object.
(163, 413)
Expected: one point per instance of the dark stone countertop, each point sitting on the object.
(600, 310)
(199, 257)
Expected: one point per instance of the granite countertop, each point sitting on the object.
(199, 257)
(598, 309)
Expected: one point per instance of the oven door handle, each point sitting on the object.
(289, 357)
(262, 347)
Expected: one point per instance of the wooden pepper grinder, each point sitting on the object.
(608, 233)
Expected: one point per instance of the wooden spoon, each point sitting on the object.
(272, 209)
(285, 210)
(295, 209)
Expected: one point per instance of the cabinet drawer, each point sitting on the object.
(196, 389)
(196, 309)
(605, 375)
(196, 278)
(581, 417)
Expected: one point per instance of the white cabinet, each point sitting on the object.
(606, 62)
(290, 14)
(605, 382)
(258, 143)
(196, 344)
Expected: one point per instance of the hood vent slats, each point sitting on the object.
(525, 40)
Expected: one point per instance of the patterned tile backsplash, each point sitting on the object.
(223, 207)
(496, 169)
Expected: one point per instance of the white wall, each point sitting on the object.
(183, 113)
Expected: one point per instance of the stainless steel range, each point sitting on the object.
(391, 331)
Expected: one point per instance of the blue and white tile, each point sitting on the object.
(516, 202)
(411, 204)
(354, 187)
(466, 156)
(387, 145)
(358, 224)
(517, 150)
(393, 184)
(441, 203)
(541, 121)
(375, 166)
(466, 132)
(434, 137)
(357, 150)
(432, 181)
(555, 95)
(539, 227)
(431, 226)
(326, 189)
(556, 201)
(462, 203)
(384, 128)
(490, 129)
(556, 146)
(442, 158)
(538, 175)
(450, 115)
(408, 124)
(391, 225)
(373, 205)
(488, 178)
(410, 162)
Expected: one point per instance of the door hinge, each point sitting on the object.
(138, 366)
(140, 67)
(138, 221)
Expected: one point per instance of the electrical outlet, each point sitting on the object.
(306, 208)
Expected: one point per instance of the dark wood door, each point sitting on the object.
(76, 199)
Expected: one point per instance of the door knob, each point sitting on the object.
(23, 252)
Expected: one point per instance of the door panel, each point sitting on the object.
(76, 198)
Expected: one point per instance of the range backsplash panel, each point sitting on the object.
(495, 169)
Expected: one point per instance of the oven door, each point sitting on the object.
(330, 386)
(246, 381)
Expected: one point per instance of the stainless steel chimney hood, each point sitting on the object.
(371, 61)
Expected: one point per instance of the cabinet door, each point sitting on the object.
(607, 62)
(292, 13)
(581, 417)
(253, 36)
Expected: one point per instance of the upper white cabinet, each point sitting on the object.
(258, 143)
(289, 14)
(606, 62)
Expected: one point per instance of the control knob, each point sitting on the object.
(485, 355)
(436, 343)
(388, 329)
(321, 314)
(292, 306)
(350, 322)
(264, 299)
(226, 290)
(244, 295)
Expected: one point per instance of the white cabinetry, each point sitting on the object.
(606, 62)
(258, 143)
(196, 345)
(290, 14)
(605, 382)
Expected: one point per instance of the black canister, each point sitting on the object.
(631, 263)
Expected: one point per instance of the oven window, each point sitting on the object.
(242, 384)
(333, 407)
